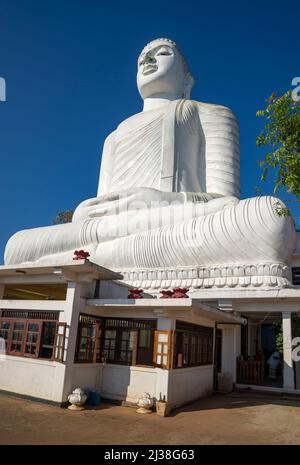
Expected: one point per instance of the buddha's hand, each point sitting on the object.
(220, 203)
(132, 199)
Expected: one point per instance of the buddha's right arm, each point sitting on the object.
(106, 165)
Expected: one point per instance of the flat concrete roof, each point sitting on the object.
(196, 305)
(73, 266)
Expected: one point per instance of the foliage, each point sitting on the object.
(279, 342)
(63, 217)
(282, 134)
(279, 337)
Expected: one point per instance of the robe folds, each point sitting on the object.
(185, 146)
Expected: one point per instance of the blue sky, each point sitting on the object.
(70, 67)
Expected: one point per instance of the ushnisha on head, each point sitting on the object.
(163, 71)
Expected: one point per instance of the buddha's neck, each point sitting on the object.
(159, 100)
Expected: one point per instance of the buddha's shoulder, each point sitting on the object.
(213, 110)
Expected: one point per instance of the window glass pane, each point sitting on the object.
(109, 345)
(162, 337)
(125, 335)
(199, 350)
(48, 333)
(32, 337)
(145, 338)
(98, 347)
(165, 351)
(4, 329)
(132, 339)
(164, 360)
(110, 334)
(16, 347)
(19, 325)
(84, 331)
(33, 327)
(159, 348)
(30, 349)
(145, 348)
(158, 359)
(17, 336)
(123, 356)
(4, 325)
(185, 348)
(47, 342)
(193, 349)
(196, 346)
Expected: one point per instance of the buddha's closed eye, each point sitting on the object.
(163, 52)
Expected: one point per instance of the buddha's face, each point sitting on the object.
(161, 70)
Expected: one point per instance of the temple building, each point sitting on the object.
(166, 282)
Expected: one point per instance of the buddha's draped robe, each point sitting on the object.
(184, 146)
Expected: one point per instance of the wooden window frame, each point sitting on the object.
(104, 349)
(11, 341)
(162, 354)
(38, 342)
(149, 349)
(203, 345)
(118, 346)
(95, 341)
(103, 324)
(26, 323)
(59, 346)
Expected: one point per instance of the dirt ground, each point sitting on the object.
(238, 418)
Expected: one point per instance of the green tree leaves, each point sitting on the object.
(63, 217)
(281, 134)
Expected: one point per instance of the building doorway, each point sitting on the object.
(261, 361)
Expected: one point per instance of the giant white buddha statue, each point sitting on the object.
(167, 211)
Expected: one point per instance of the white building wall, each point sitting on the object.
(35, 378)
(85, 375)
(231, 348)
(117, 382)
(188, 384)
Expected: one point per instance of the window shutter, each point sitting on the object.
(96, 348)
(162, 349)
(59, 343)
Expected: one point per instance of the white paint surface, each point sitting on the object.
(35, 378)
(187, 384)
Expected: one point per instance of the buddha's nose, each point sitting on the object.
(148, 59)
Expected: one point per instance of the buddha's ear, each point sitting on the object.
(189, 84)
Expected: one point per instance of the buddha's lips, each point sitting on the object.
(149, 69)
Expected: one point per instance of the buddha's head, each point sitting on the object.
(163, 70)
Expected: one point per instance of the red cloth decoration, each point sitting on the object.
(81, 255)
(166, 294)
(180, 293)
(135, 293)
